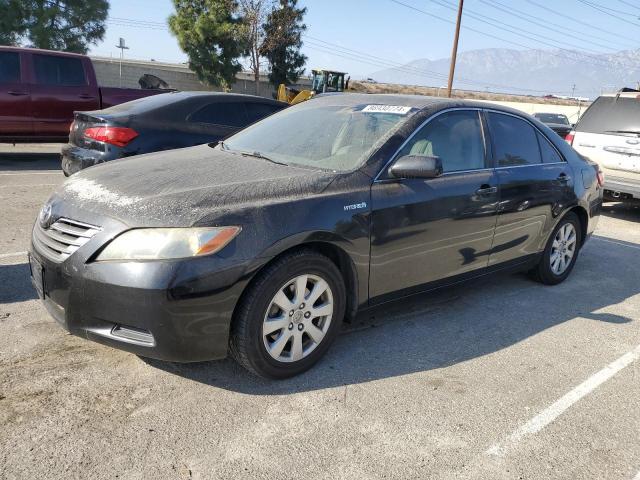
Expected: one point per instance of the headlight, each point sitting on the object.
(164, 243)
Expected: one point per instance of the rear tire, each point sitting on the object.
(289, 316)
(561, 251)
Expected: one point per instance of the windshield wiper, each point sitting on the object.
(260, 155)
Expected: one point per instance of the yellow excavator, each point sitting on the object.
(323, 81)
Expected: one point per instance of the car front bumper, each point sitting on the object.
(177, 310)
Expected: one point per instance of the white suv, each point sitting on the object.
(609, 134)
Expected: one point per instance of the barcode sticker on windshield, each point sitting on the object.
(397, 109)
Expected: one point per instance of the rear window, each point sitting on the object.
(9, 67)
(611, 115)
(221, 113)
(552, 118)
(59, 71)
(256, 111)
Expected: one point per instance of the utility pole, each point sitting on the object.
(122, 48)
(573, 90)
(454, 52)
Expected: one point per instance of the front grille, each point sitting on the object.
(62, 238)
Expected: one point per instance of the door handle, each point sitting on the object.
(17, 93)
(86, 96)
(486, 190)
(563, 178)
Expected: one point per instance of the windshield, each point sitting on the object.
(611, 115)
(552, 118)
(334, 137)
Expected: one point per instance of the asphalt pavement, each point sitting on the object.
(500, 378)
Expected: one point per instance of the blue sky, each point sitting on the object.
(392, 33)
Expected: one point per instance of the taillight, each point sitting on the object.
(118, 136)
(569, 137)
(600, 177)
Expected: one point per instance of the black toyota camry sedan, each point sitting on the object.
(262, 245)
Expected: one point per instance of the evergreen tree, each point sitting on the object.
(208, 31)
(67, 25)
(283, 39)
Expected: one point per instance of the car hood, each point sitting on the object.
(183, 187)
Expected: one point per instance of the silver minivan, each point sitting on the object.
(609, 134)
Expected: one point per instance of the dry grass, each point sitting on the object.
(366, 87)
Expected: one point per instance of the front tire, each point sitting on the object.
(289, 316)
(561, 251)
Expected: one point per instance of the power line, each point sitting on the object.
(629, 4)
(481, 32)
(622, 12)
(600, 9)
(595, 59)
(530, 19)
(580, 22)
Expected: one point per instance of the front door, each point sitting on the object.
(535, 185)
(425, 230)
(15, 97)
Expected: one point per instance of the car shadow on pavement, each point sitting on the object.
(622, 211)
(454, 325)
(16, 283)
(29, 161)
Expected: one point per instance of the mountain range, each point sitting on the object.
(532, 72)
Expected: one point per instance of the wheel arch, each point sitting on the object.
(335, 253)
(583, 216)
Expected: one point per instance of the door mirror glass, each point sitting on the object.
(416, 166)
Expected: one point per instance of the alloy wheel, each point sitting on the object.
(298, 318)
(563, 249)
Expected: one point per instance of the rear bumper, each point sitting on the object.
(615, 186)
(76, 158)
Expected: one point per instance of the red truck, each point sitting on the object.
(40, 90)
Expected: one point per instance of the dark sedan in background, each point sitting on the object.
(262, 244)
(164, 122)
(557, 122)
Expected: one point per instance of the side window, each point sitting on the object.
(514, 141)
(455, 137)
(59, 71)
(549, 154)
(257, 111)
(230, 114)
(9, 67)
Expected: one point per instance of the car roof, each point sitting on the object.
(421, 102)
(40, 50)
(622, 94)
(182, 95)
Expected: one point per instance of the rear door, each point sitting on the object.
(60, 87)
(15, 96)
(535, 184)
(609, 133)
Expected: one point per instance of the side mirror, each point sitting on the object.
(416, 166)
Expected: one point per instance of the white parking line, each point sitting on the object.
(617, 243)
(552, 412)
(52, 172)
(30, 185)
(14, 254)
